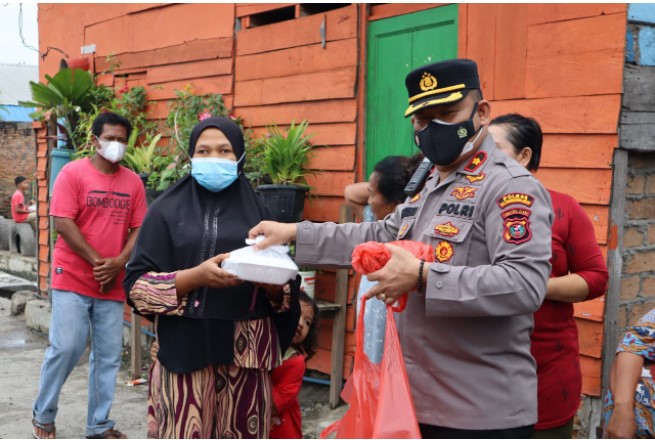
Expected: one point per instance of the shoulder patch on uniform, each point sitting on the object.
(515, 199)
(443, 252)
(408, 212)
(463, 192)
(517, 225)
(403, 230)
(479, 178)
(476, 162)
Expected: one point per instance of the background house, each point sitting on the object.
(584, 71)
(17, 147)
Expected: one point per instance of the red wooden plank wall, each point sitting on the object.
(563, 65)
(283, 74)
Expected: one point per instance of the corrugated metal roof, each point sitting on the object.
(15, 113)
(15, 82)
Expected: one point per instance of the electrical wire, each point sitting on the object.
(22, 38)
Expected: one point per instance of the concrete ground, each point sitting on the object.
(22, 353)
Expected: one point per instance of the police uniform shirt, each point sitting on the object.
(466, 339)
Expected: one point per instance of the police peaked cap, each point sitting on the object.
(444, 82)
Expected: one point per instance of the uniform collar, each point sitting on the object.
(478, 162)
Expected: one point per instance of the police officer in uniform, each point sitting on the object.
(465, 332)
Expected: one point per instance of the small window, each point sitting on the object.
(274, 16)
(317, 8)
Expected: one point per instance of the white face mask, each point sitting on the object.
(113, 151)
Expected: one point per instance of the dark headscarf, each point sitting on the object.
(186, 226)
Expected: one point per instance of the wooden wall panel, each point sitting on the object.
(585, 35)
(340, 24)
(574, 74)
(591, 310)
(575, 115)
(510, 58)
(586, 186)
(196, 50)
(317, 86)
(323, 209)
(554, 12)
(333, 158)
(297, 60)
(578, 151)
(190, 70)
(591, 368)
(342, 110)
(481, 36)
(173, 24)
(599, 216)
(330, 184)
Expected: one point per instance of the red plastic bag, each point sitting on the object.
(372, 256)
(381, 404)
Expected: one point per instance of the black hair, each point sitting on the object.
(19, 179)
(309, 345)
(110, 118)
(476, 94)
(394, 173)
(523, 132)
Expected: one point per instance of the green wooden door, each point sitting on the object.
(396, 46)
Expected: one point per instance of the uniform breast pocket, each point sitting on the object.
(450, 238)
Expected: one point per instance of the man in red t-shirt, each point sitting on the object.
(98, 207)
(19, 212)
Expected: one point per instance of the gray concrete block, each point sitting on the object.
(19, 299)
(37, 315)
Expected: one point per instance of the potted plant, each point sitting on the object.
(284, 161)
(63, 98)
(143, 161)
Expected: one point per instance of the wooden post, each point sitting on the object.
(614, 263)
(339, 328)
(135, 347)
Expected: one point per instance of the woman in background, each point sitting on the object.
(578, 274)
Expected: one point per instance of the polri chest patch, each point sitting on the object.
(446, 229)
(457, 209)
(463, 192)
(443, 252)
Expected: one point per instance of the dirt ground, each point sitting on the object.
(22, 353)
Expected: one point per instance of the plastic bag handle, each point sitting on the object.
(402, 303)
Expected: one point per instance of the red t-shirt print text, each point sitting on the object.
(119, 203)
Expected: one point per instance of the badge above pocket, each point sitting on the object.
(451, 229)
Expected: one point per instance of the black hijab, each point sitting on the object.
(188, 225)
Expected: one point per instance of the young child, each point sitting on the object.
(287, 378)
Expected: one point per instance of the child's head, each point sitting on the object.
(22, 183)
(306, 338)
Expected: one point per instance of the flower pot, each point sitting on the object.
(58, 158)
(286, 202)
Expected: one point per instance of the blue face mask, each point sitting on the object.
(215, 174)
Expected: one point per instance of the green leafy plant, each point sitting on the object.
(65, 96)
(142, 160)
(286, 154)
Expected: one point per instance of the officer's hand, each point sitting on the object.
(210, 273)
(397, 277)
(275, 233)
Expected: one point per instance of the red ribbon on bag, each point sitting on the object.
(372, 256)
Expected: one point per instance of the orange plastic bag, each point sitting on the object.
(372, 256)
(381, 404)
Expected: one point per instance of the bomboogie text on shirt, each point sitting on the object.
(108, 202)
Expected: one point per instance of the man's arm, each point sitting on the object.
(70, 232)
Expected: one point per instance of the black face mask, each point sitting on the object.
(443, 143)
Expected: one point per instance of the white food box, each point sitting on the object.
(269, 266)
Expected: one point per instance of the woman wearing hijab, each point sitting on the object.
(219, 337)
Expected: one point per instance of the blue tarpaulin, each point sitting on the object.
(15, 113)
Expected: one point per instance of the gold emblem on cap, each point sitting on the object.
(428, 82)
(462, 132)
